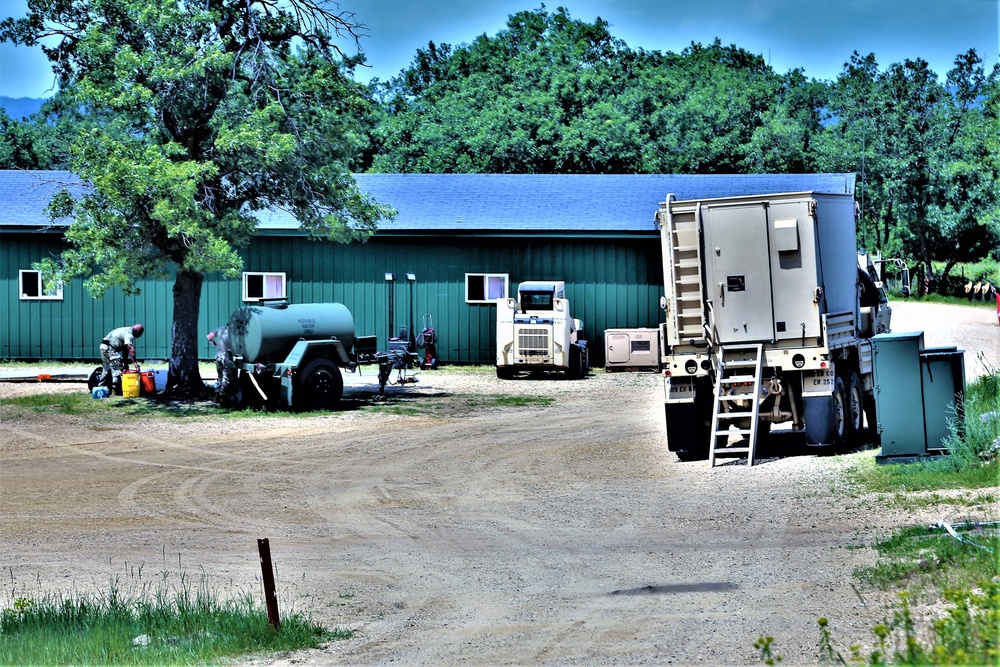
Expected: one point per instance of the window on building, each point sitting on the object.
(32, 287)
(260, 285)
(485, 287)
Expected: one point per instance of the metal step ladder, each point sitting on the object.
(738, 376)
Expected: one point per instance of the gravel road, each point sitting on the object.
(447, 528)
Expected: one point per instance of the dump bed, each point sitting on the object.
(759, 269)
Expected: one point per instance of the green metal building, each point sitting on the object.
(457, 242)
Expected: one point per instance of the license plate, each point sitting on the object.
(818, 382)
(679, 391)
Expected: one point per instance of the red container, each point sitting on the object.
(147, 382)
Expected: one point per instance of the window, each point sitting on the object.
(263, 286)
(485, 287)
(32, 287)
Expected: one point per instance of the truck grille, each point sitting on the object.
(532, 342)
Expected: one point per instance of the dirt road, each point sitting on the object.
(449, 529)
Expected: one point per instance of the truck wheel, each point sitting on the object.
(505, 372)
(826, 417)
(320, 386)
(855, 409)
(577, 364)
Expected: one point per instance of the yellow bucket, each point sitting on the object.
(130, 385)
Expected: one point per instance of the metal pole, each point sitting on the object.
(267, 574)
(390, 280)
(412, 279)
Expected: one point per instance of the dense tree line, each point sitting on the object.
(550, 94)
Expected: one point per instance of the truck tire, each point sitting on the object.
(320, 386)
(826, 417)
(505, 372)
(855, 409)
(577, 363)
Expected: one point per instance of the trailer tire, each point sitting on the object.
(320, 386)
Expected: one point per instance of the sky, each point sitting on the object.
(816, 35)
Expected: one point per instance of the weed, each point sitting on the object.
(764, 645)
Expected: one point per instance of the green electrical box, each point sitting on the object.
(943, 387)
(918, 395)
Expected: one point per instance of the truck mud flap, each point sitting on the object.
(819, 425)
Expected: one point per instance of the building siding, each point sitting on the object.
(612, 281)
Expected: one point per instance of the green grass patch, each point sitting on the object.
(108, 410)
(973, 461)
(182, 625)
(922, 557)
(924, 564)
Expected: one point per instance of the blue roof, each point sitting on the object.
(507, 203)
(25, 194)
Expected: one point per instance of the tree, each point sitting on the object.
(928, 154)
(41, 141)
(199, 114)
(549, 94)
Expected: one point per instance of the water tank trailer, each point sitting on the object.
(292, 355)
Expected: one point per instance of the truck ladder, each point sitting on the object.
(737, 379)
(685, 268)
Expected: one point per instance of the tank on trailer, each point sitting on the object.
(266, 334)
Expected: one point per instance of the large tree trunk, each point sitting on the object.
(184, 378)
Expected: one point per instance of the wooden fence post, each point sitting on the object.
(267, 573)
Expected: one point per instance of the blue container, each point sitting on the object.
(100, 392)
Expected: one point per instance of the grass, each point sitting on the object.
(958, 574)
(142, 623)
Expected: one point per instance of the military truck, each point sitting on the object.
(769, 314)
(536, 332)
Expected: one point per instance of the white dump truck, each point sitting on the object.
(536, 332)
(769, 315)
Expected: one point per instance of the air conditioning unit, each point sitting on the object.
(632, 350)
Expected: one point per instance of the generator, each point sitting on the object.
(634, 350)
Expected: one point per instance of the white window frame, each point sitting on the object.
(40, 295)
(265, 275)
(485, 280)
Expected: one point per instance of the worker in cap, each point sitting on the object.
(117, 351)
(223, 371)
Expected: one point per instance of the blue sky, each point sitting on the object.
(817, 35)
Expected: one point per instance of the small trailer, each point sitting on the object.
(293, 355)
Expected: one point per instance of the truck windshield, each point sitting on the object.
(536, 300)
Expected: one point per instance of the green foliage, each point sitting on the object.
(767, 655)
(928, 154)
(922, 556)
(198, 117)
(549, 94)
(147, 623)
(965, 635)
